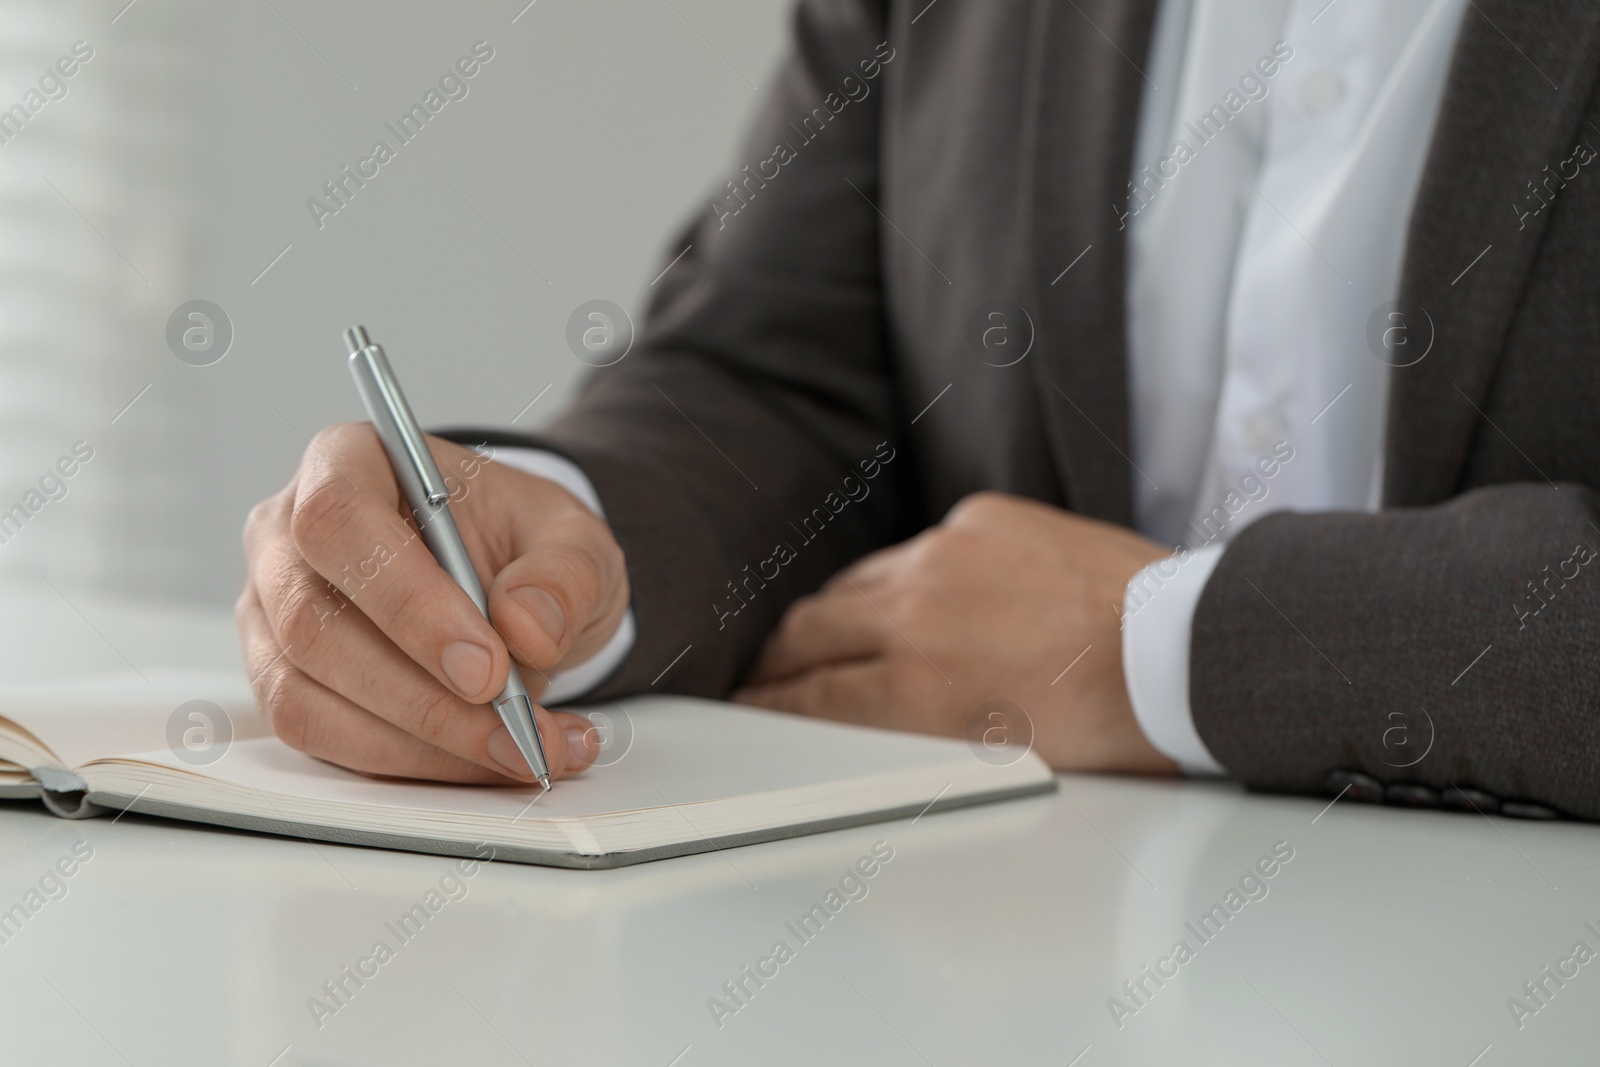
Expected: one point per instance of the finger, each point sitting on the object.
(569, 742)
(829, 627)
(877, 568)
(348, 524)
(341, 650)
(850, 692)
(581, 739)
(564, 595)
(317, 721)
(333, 643)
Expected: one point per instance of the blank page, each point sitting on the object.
(112, 714)
(684, 751)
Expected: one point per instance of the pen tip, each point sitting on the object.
(544, 780)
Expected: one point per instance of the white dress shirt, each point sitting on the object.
(1257, 255)
(1253, 274)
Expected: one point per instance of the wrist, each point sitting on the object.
(1126, 749)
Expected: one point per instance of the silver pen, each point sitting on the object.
(429, 500)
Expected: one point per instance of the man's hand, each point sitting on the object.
(363, 651)
(992, 604)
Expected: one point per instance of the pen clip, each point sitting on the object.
(371, 354)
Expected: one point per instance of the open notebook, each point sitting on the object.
(683, 776)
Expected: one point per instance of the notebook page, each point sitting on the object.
(107, 715)
(683, 751)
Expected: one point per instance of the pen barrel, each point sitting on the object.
(440, 534)
(426, 492)
(414, 473)
(443, 538)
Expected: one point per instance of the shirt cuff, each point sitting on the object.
(1157, 618)
(573, 682)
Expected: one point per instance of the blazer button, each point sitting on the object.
(1518, 809)
(1465, 798)
(1410, 795)
(1361, 788)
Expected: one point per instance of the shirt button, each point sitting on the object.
(1264, 428)
(1321, 91)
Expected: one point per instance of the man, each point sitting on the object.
(1304, 292)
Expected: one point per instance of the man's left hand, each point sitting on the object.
(1006, 599)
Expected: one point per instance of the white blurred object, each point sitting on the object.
(177, 168)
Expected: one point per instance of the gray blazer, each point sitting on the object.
(968, 161)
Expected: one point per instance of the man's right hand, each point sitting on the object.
(363, 652)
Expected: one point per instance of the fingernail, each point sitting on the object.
(544, 609)
(504, 751)
(467, 666)
(578, 746)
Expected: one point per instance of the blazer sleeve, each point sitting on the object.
(759, 381)
(1455, 645)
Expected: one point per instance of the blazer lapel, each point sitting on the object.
(1085, 61)
(1518, 88)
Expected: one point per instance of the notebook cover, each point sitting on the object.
(547, 857)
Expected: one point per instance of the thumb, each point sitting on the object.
(562, 599)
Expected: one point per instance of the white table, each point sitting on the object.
(995, 935)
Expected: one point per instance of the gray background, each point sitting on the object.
(178, 166)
